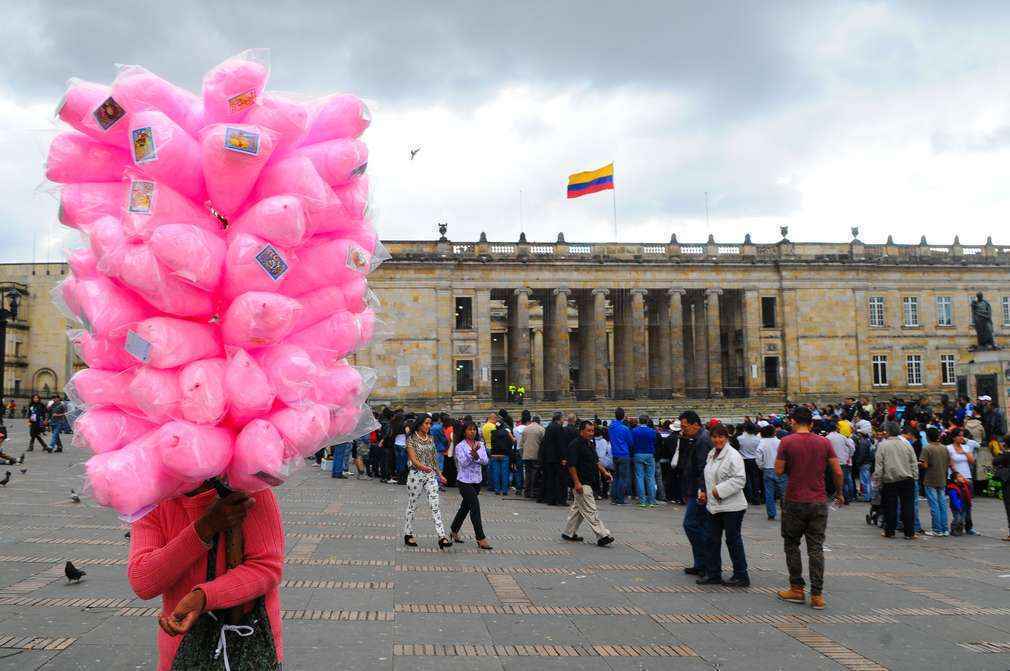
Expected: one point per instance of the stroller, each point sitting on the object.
(876, 515)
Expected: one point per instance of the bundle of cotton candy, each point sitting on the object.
(222, 285)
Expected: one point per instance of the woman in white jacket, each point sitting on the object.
(725, 478)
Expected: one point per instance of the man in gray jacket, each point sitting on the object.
(897, 469)
(529, 445)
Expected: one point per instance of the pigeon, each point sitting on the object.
(75, 497)
(23, 470)
(73, 573)
(126, 535)
(21, 459)
(7, 478)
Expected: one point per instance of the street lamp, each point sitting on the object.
(6, 314)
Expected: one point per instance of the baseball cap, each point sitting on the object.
(985, 398)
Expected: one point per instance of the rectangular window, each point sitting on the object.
(876, 310)
(771, 372)
(913, 369)
(464, 313)
(944, 311)
(1006, 311)
(767, 312)
(879, 370)
(464, 375)
(910, 310)
(947, 375)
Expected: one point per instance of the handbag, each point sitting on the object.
(215, 644)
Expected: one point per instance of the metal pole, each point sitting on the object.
(613, 192)
(3, 359)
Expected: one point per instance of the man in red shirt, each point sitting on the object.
(804, 457)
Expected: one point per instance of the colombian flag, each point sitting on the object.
(582, 183)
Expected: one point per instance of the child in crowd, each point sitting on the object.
(960, 504)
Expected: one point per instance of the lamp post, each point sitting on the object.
(6, 314)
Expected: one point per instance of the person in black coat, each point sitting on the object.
(551, 454)
(694, 447)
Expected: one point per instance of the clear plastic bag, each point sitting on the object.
(247, 387)
(108, 429)
(157, 393)
(339, 115)
(231, 88)
(83, 203)
(190, 253)
(258, 460)
(204, 400)
(258, 318)
(75, 157)
(279, 220)
(163, 151)
(233, 155)
(285, 116)
(137, 88)
(147, 204)
(175, 342)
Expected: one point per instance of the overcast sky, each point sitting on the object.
(893, 117)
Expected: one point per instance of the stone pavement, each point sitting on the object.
(355, 598)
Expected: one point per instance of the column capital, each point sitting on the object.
(537, 329)
(561, 290)
(639, 292)
(713, 292)
(522, 290)
(603, 292)
(676, 292)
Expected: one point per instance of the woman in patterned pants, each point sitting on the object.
(424, 477)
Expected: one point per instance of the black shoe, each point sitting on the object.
(708, 581)
(409, 541)
(444, 543)
(59, 449)
(573, 539)
(605, 541)
(771, 518)
(737, 582)
(690, 570)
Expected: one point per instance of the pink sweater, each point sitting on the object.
(168, 558)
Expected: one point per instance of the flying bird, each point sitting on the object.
(73, 573)
(7, 478)
(75, 497)
(413, 152)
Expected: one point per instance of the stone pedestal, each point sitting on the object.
(987, 373)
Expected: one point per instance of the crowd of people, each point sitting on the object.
(792, 464)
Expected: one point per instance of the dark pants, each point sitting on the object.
(470, 505)
(696, 530)
(890, 494)
(671, 482)
(531, 468)
(730, 523)
(36, 434)
(622, 479)
(810, 521)
(1006, 502)
(754, 490)
(552, 484)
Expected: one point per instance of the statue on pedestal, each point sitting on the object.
(981, 317)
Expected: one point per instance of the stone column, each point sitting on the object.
(659, 345)
(519, 338)
(714, 342)
(676, 348)
(482, 324)
(640, 367)
(537, 356)
(602, 353)
(700, 339)
(588, 359)
(550, 348)
(557, 355)
(624, 348)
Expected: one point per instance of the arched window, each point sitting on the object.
(44, 382)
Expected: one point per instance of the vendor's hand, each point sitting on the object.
(224, 514)
(840, 499)
(715, 493)
(609, 477)
(186, 612)
(442, 480)
(702, 498)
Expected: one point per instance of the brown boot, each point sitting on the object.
(817, 601)
(793, 595)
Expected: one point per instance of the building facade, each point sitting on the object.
(589, 321)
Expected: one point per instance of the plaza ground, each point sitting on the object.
(355, 598)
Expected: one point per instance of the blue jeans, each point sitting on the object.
(775, 486)
(730, 523)
(340, 454)
(866, 481)
(645, 477)
(401, 459)
(622, 477)
(499, 472)
(696, 530)
(57, 428)
(937, 497)
(517, 476)
(848, 486)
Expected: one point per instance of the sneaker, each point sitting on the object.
(817, 601)
(572, 539)
(605, 541)
(930, 533)
(642, 505)
(793, 595)
(971, 532)
(944, 534)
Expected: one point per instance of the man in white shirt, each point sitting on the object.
(844, 449)
(748, 441)
(767, 451)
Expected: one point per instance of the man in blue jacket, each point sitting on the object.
(620, 449)
(643, 454)
(694, 447)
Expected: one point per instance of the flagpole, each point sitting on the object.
(613, 191)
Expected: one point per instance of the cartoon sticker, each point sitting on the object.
(141, 196)
(108, 113)
(357, 258)
(272, 263)
(242, 101)
(242, 141)
(143, 145)
(137, 347)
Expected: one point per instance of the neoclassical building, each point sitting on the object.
(577, 322)
(581, 321)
